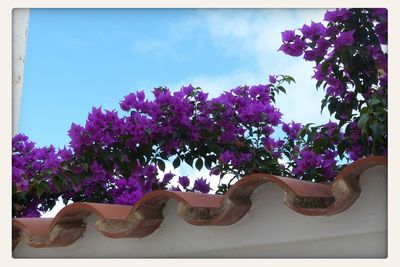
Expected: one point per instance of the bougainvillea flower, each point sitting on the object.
(337, 15)
(344, 39)
(202, 185)
(313, 30)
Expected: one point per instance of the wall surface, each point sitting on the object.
(270, 229)
(20, 19)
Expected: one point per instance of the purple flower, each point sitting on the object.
(226, 157)
(328, 164)
(215, 171)
(381, 13)
(18, 180)
(331, 127)
(268, 130)
(319, 75)
(184, 181)
(292, 129)
(383, 80)
(176, 189)
(128, 102)
(280, 143)
(294, 47)
(288, 36)
(75, 133)
(127, 191)
(315, 29)
(337, 15)
(272, 78)
(167, 177)
(310, 55)
(381, 31)
(31, 213)
(317, 52)
(201, 96)
(269, 144)
(202, 185)
(355, 152)
(140, 96)
(187, 90)
(98, 173)
(344, 39)
(274, 117)
(245, 157)
(349, 97)
(65, 154)
(308, 159)
(335, 87)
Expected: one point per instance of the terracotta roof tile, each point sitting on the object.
(145, 216)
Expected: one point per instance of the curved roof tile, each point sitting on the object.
(142, 219)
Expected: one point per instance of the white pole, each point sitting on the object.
(20, 21)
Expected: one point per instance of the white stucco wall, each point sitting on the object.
(20, 20)
(270, 229)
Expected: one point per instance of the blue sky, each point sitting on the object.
(79, 58)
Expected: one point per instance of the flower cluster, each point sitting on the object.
(312, 164)
(350, 55)
(291, 129)
(311, 151)
(357, 33)
(117, 159)
(33, 169)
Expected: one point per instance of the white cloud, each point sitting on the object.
(255, 35)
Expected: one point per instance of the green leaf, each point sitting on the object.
(222, 189)
(161, 165)
(65, 201)
(199, 164)
(73, 178)
(323, 104)
(377, 130)
(332, 105)
(85, 166)
(58, 182)
(341, 148)
(320, 144)
(318, 84)
(281, 88)
(291, 79)
(303, 132)
(325, 66)
(374, 101)
(362, 122)
(176, 162)
(189, 160)
(154, 187)
(40, 189)
(208, 162)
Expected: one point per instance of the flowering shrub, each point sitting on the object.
(34, 176)
(351, 66)
(115, 159)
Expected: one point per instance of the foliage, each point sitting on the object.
(351, 67)
(115, 159)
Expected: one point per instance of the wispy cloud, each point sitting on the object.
(254, 35)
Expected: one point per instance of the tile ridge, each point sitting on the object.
(142, 219)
